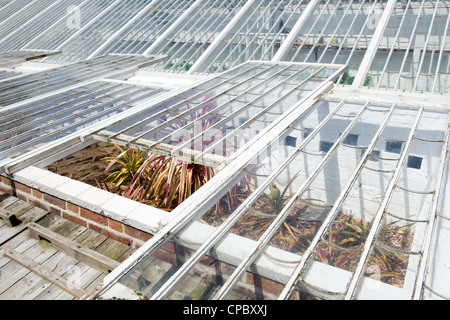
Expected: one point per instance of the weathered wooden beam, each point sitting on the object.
(85, 255)
(44, 272)
(9, 218)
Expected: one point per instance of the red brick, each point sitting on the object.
(94, 227)
(22, 187)
(138, 234)
(264, 283)
(169, 247)
(75, 219)
(36, 193)
(115, 225)
(56, 201)
(115, 236)
(6, 189)
(95, 217)
(208, 261)
(7, 181)
(56, 211)
(166, 256)
(73, 208)
(40, 204)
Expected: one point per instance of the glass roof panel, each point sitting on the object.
(47, 119)
(25, 87)
(29, 29)
(88, 40)
(414, 51)
(214, 119)
(337, 32)
(195, 33)
(77, 17)
(138, 36)
(305, 206)
(263, 28)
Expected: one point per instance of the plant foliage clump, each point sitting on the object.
(156, 180)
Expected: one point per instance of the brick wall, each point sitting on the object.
(113, 229)
(209, 268)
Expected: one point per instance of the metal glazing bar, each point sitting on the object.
(109, 23)
(17, 13)
(242, 39)
(411, 39)
(204, 42)
(54, 27)
(197, 107)
(444, 39)
(55, 111)
(309, 252)
(277, 222)
(349, 5)
(361, 33)
(29, 109)
(373, 46)
(69, 72)
(323, 28)
(175, 26)
(321, 88)
(310, 30)
(219, 39)
(172, 43)
(293, 12)
(349, 28)
(431, 228)
(231, 134)
(158, 114)
(17, 32)
(223, 229)
(151, 26)
(262, 30)
(424, 51)
(19, 135)
(130, 22)
(227, 118)
(353, 285)
(91, 22)
(77, 115)
(388, 59)
(52, 24)
(287, 44)
(238, 32)
(56, 79)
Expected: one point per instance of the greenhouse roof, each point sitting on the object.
(327, 118)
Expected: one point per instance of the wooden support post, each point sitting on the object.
(85, 255)
(9, 218)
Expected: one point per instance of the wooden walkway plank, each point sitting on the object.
(13, 273)
(8, 202)
(90, 239)
(44, 272)
(10, 233)
(34, 214)
(20, 243)
(113, 249)
(39, 269)
(78, 273)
